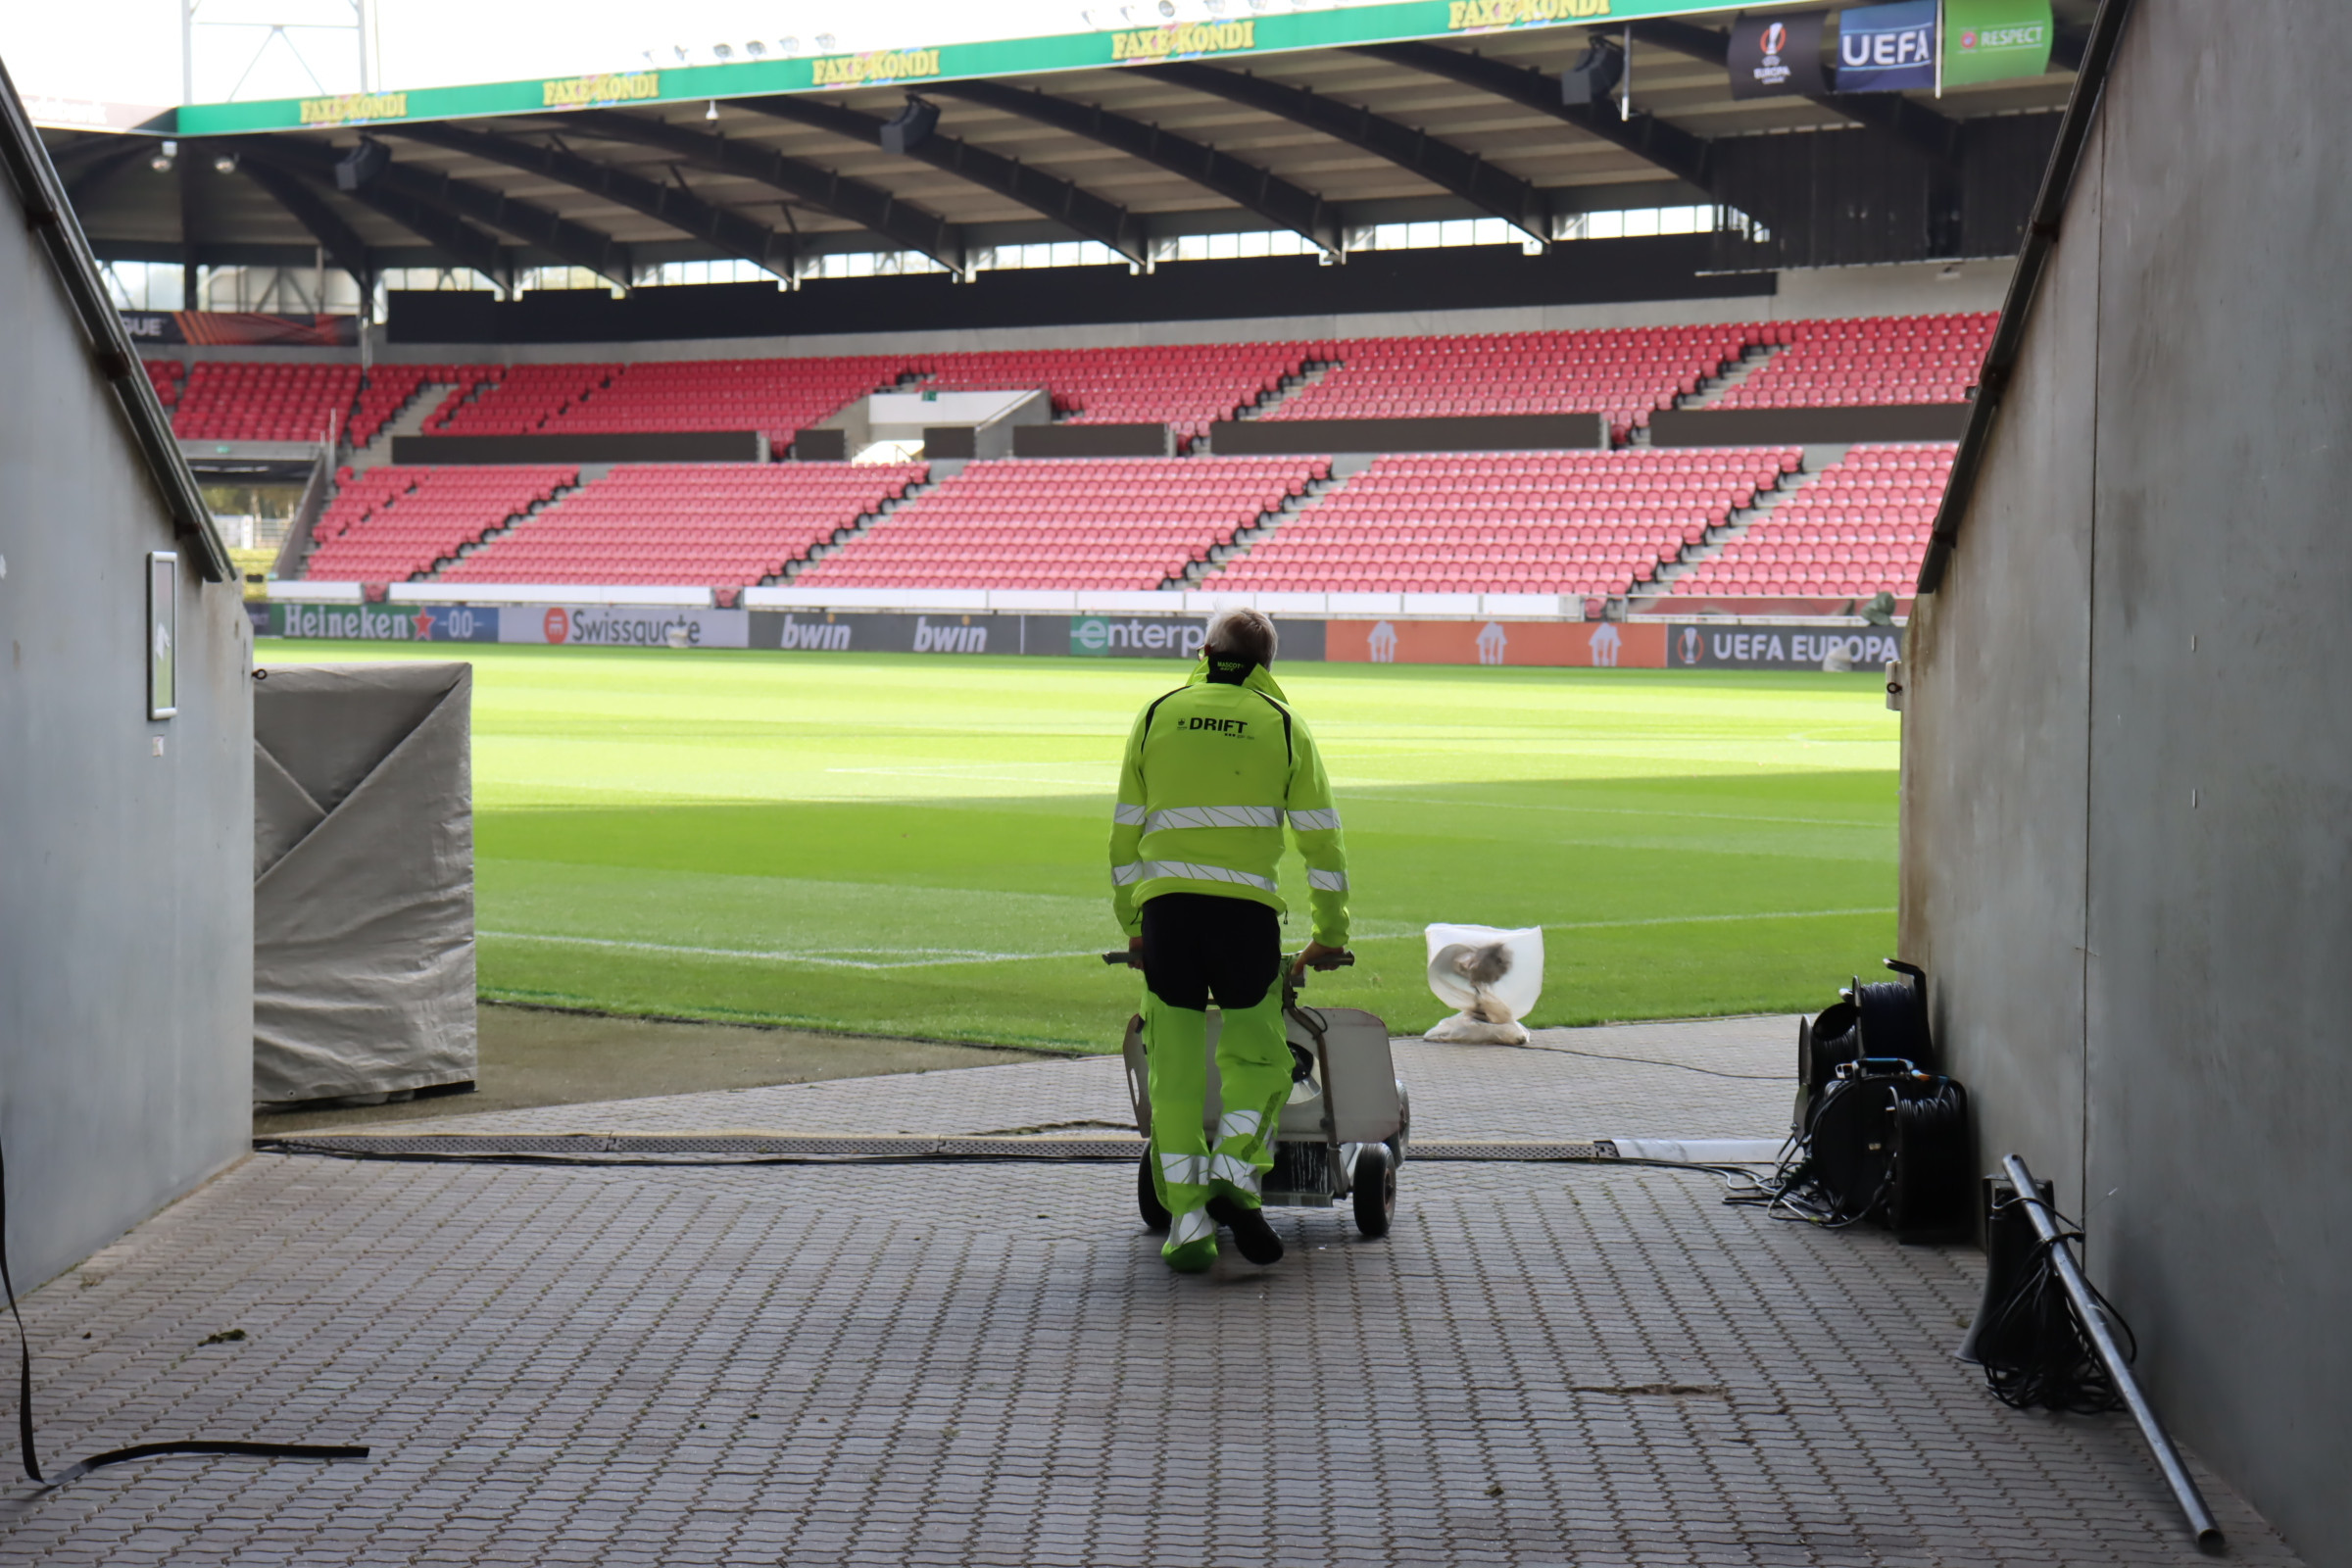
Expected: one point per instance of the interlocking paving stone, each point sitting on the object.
(900, 1363)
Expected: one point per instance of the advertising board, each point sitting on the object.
(388, 623)
(1554, 644)
(1698, 645)
(623, 626)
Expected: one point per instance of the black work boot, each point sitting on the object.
(1250, 1232)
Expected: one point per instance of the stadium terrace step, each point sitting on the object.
(394, 523)
(720, 525)
(1711, 390)
(1856, 528)
(1085, 523)
(1590, 523)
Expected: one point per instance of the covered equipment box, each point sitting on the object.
(363, 893)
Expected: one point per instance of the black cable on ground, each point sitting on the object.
(2033, 1352)
(315, 1452)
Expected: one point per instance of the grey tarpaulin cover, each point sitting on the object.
(362, 890)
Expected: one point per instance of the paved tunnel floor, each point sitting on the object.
(988, 1364)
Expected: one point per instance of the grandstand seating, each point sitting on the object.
(516, 399)
(777, 396)
(166, 376)
(1868, 360)
(1099, 525)
(721, 525)
(391, 522)
(389, 387)
(227, 401)
(1577, 523)
(1624, 373)
(1188, 386)
(1859, 528)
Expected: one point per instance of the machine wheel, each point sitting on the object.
(1147, 1196)
(1375, 1190)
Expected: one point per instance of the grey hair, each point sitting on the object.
(1244, 634)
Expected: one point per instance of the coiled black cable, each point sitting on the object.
(2035, 1354)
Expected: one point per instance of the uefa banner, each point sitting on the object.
(1552, 644)
(1700, 645)
(242, 329)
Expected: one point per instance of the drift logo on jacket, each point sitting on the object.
(1233, 728)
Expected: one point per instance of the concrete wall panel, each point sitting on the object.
(1993, 749)
(2128, 812)
(125, 878)
(2221, 835)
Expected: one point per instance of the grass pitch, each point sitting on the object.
(913, 844)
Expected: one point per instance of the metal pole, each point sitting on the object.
(2093, 1323)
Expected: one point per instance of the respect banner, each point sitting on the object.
(1994, 41)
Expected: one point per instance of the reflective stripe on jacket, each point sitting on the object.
(1215, 772)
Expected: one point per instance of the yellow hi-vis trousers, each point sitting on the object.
(1254, 1070)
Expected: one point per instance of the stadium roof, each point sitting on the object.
(1320, 123)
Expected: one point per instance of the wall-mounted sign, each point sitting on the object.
(242, 328)
(162, 633)
(1888, 48)
(1994, 41)
(1774, 55)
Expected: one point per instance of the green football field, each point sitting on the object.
(915, 845)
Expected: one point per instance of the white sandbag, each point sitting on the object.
(1494, 976)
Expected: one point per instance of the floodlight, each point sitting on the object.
(712, 113)
(788, 45)
(679, 50)
(225, 164)
(161, 163)
(827, 43)
(720, 51)
(1216, 8)
(755, 49)
(1168, 10)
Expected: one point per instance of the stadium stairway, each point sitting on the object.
(397, 525)
(718, 525)
(1858, 528)
(1590, 523)
(1712, 389)
(1810, 467)
(402, 407)
(1126, 524)
(1317, 487)
(856, 528)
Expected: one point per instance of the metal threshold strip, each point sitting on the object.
(777, 1148)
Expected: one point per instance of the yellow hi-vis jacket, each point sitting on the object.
(1214, 771)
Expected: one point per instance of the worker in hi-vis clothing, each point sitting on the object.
(1215, 771)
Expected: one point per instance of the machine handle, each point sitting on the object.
(1126, 957)
(1337, 960)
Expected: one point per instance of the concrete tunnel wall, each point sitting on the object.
(126, 878)
(2127, 755)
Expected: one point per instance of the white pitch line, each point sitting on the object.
(942, 956)
(1668, 919)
